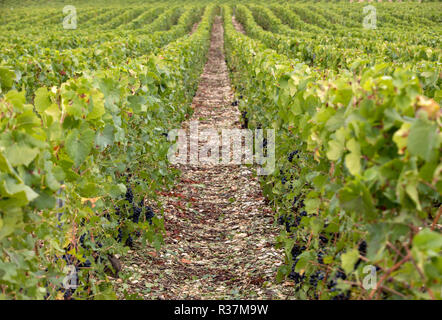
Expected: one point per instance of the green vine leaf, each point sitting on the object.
(348, 260)
(79, 144)
(422, 139)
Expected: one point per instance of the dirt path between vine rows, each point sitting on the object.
(238, 26)
(221, 236)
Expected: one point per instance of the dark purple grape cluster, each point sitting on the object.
(323, 240)
(292, 155)
(245, 120)
(362, 248)
(68, 293)
(298, 204)
(287, 221)
(136, 214)
(296, 276)
(332, 284)
(149, 213)
(129, 241)
(120, 235)
(296, 251)
(320, 256)
(129, 195)
(342, 296)
(291, 222)
(71, 261)
(134, 211)
(315, 277)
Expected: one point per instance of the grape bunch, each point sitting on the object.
(315, 277)
(332, 284)
(93, 256)
(149, 214)
(320, 256)
(298, 204)
(129, 195)
(286, 221)
(297, 250)
(362, 248)
(120, 235)
(292, 154)
(296, 276)
(129, 241)
(245, 120)
(299, 217)
(342, 296)
(136, 214)
(323, 240)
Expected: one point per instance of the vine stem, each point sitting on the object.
(389, 244)
(354, 283)
(309, 239)
(436, 219)
(393, 291)
(421, 274)
(385, 276)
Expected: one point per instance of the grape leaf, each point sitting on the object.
(17, 99)
(348, 260)
(6, 78)
(422, 138)
(42, 100)
(106, 137)
(428, 240)
(79, 144)
(353, 159)
(19, 154)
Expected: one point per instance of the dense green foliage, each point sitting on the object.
(84, 141)
(84, 115)
(358, 174)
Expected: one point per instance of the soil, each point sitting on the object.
(238, 26)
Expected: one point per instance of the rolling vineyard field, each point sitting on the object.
(90, 92)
